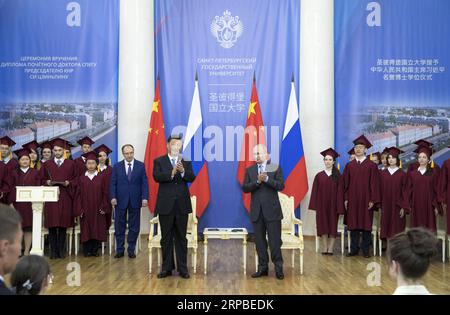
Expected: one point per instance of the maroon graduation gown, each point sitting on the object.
(107, 173)
(19, 178)
(361, 186)
(91, 197)
(59, 214)
(80, 166)
(4, 182)
(444, 189)
(392, 200)
(10, 167)
(327, 202)
(422, 198)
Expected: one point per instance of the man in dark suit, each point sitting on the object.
(10, 243)
(129, 192)
(264, 180)
(173, 205)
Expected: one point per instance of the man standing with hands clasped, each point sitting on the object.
(173, 205)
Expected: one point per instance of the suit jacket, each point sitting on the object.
(171, 189)
(4, 289)
(129, 192)
(265, 195)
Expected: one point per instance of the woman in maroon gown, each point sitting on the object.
(91, 205)
(422, 191)
(24, 175)
(393, 184)
(444, 190)
(326, 200)
(105, 169)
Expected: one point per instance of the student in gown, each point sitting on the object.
(105, 168)
(409, 255)
(351, 154)
(91, 205)
(422, 191)
(34, 154)
(444, 191)
(384, 163)
(24, 175)
(58, 216)
(31, 276)
(393, 185)
(6, 144)
(376, 158)
(80, 162)
(361, 192)
(4, 182)
(414, 165)
(46, 152)
(326, 200)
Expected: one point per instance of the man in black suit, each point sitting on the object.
(264, 180)
(173, 205)
(10, 243)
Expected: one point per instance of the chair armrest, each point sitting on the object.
(153, 222)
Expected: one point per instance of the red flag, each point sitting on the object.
(254, 134)
(156, 146)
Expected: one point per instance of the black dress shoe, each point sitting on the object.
(279, 275)
(330, 254)
(118, 255)
(164, 274)
(324, 253)
(132, 255)
(185, 275)
(351, 254)
(260, 273)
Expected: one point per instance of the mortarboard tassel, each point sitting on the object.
(109, 162)
(32, 164)
(432, 164)
(10, 156)
(371, 157)
(98, 168)
(65, 154)
(401, 165)
(339, 166)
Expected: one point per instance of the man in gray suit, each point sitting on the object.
(263, 180)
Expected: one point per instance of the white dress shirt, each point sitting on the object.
(360, 160)
(91, 175)
(328, 172)
(171, 158)
(61, 159)
(24, 169)
(126, 166)
(411, 290)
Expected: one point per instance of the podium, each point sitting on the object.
(37, 195)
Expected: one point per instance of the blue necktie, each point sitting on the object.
(173, 163)
(260, 169)
(129, 172)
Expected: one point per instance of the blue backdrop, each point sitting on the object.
(391, 73)
(226, 43)
(58, 66)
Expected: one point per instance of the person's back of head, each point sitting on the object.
(409, 254)
(31, 276)
(10, 238)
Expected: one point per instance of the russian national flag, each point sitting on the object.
(292, 159)
(193, 147)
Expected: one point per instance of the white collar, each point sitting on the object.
(360, 160)
(421, 171)
(61, 159)
(328, 172)
(104, 167)
(2, 279)
(392, 170)
(264, 164)
(24, 170)
(412, 290)
(91, 176)
(6, 160)
(126, 162)
(173, 157)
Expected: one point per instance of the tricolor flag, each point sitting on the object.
(254, 135)
(193, 143)
(292, 159)
(156, 146)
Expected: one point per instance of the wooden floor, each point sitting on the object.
(322, 275)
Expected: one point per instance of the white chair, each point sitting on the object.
(375, 231)
(441, 233)
(341, 231)
(288, 237)
(69, 239)
(154, 241)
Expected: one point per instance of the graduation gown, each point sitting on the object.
(444, 189)
(392, 200)
(327, 201)
(92, 196)
(59, 214)
(19, 178)
(4, 182)
(10, 167)
(80, 166)
(361, 186)
(107, 172)
(422, 198)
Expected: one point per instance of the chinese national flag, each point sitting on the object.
(254, 134)
(156, 146)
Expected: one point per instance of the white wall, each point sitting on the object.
(136, 84)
